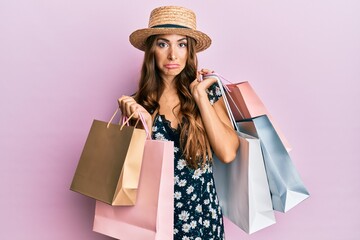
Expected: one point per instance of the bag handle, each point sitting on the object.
(125, 121)
(225, 94)
(225, 89)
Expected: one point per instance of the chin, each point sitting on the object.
(172, 73)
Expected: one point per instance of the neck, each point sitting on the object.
(169, 83)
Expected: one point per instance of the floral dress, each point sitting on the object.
(197, 213)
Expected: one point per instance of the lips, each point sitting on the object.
(172, 66)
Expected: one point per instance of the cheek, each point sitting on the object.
(160, 56)
(184, 57)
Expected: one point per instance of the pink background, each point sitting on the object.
(64, 63)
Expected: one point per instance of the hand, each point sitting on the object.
(199, 86)
(128, 106)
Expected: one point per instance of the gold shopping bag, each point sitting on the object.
(110, 163)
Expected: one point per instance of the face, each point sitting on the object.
(170, 54)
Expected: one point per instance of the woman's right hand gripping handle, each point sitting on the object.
(128, 106)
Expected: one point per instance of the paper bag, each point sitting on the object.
(246, 104)
(286, 186)
(110, 163)
(243, 191)
(152, 216)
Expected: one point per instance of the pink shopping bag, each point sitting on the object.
(246, 104)
(152, 215)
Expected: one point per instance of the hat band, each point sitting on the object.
(168, 26)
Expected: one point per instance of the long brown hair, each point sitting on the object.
(193, 138)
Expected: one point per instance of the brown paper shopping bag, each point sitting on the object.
(110, 163)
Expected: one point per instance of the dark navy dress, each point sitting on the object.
(197, 213)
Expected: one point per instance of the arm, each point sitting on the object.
(221, 134)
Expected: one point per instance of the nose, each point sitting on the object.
(172, 54)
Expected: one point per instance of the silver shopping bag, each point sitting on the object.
(244, 191)
(286, 186)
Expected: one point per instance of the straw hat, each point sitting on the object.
(171, 20)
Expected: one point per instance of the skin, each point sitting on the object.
(170, 56)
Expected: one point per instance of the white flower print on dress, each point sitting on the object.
(182, 183)
(159, 136)
(198, 208)
(154, 128)
(177, 195)
(185, 238)
(207, 223)
(176, 149)
(208, 187)
(179, 205)
(211, 197)
(184, 216)
(194, 196)
(176, 179)
(217, 91)
(197, 173)
(190, 189)
(214, 227)
(213, 213)
(186, 227)
(193, 224)
(181, 164)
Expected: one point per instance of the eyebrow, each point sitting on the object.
(167, 40)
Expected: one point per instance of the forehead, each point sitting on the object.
(171, 37)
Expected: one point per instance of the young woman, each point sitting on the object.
(178, 105)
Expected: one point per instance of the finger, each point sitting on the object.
(199, 77)
(122, 104)
(130, 106)
(125, 103)
(121, 99)
(207, 82)
(206, 71)
(134, 109)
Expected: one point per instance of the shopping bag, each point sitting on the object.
(110, 163)
(246, 104)
(244, 191)
(152, 216)
(286, 187)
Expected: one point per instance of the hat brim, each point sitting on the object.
(138, 38)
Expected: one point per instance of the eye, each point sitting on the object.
(162, 44)
(182, 45)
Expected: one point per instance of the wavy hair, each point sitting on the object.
(193, 138)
